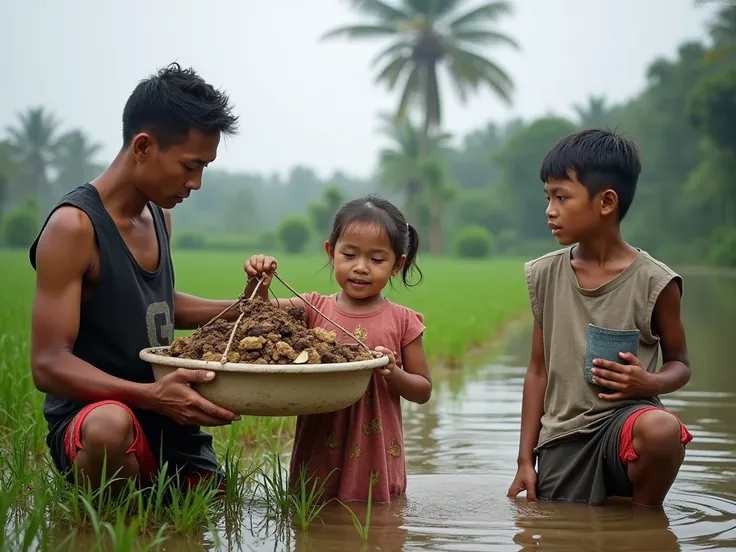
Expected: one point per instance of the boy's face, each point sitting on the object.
(572, 214)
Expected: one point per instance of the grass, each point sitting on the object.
(465, 304)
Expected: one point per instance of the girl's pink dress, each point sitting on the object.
(365, 441)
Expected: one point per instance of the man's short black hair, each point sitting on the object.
(601, 159)
(173, 101)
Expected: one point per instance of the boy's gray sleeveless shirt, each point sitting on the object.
(563, 310)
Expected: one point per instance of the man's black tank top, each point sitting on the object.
(130, 308)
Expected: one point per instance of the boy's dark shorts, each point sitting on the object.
(64, 455)
(593, 467)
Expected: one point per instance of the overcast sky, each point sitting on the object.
(305, 101)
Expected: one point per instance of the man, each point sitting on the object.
(105, 290)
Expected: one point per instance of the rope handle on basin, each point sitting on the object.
(323, 315)
(223, 359)
(241, 299)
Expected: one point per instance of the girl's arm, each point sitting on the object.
(414, 382)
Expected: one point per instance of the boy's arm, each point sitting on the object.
(667, 324)
(632, 379)
(532, 403)
(532, 409)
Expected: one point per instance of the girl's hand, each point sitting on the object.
(259, 265)
(388, 370)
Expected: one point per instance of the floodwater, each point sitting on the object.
(461, 451)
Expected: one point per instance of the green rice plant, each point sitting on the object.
(362, 528)
(308, 502)
(274, 486)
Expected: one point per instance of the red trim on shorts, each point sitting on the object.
(141, 450)
(195, 479)
(626, 450)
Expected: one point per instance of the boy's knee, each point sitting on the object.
(108, 428)
(657, 433)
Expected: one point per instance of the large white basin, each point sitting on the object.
(274, 389)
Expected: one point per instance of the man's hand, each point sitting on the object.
(388, 370)
(525, 480)
(627, 380)
(174, 398)
(259, 265)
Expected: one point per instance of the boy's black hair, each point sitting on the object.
(171, 102)
(377, 210)
(601, 159)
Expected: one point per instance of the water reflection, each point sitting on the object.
(461, 451)
(462, 446)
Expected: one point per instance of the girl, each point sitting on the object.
(363, 444)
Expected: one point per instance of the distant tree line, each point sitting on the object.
(477, 197)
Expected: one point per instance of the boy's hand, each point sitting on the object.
(525, 480)
(388, 370)
(258, 265)
(628, 380)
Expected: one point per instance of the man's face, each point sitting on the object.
(167, 177)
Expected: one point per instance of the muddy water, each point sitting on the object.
(461, 450)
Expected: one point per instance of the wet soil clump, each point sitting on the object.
(268, 335)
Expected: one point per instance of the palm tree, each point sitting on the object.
(594, 113)
(418, 174)
(74, 160)
(10, 173)
(439, 191)
(428, 34)
(34, 143)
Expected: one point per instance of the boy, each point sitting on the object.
(611, 437)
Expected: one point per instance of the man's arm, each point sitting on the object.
(667, 323)
(190, 311)
(64, 254)
(65, 251)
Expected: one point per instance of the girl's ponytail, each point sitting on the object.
(411, 256)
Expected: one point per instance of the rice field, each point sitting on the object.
(464, 303)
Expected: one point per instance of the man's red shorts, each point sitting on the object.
(626, 450)
(140, 448)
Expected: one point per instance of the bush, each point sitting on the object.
(293, 233)
(264, 241)
(474, 241)
(189, 240)
(723, 247)
(507, 239)
(21, 226)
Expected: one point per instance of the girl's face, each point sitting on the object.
(363, 260)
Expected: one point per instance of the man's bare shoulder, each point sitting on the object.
(69, 222)
(68, 230)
